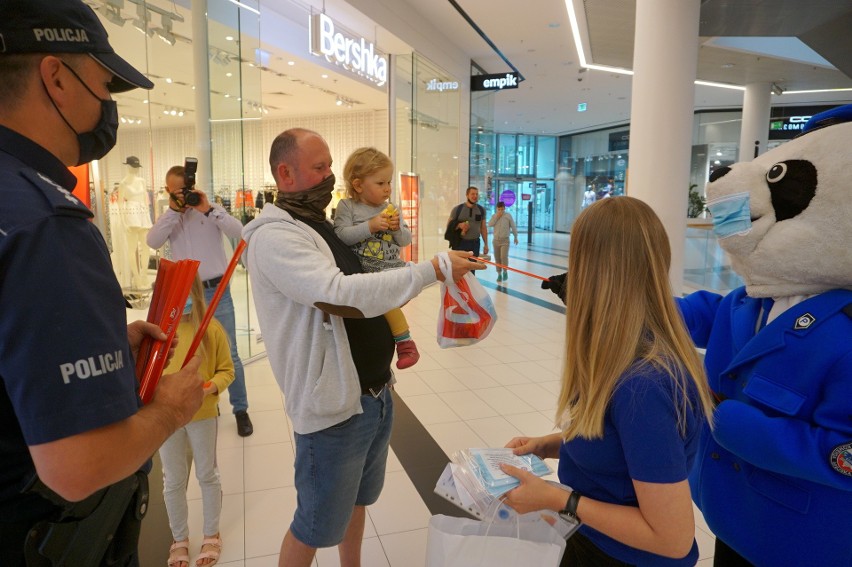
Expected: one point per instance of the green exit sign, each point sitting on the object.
(581, 107)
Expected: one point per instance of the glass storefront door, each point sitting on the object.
(508, 191)
(543, 207)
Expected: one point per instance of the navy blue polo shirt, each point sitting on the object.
(65, 363)
(641, 441)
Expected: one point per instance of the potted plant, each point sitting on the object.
(696, 204)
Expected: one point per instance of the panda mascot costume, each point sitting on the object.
(773, 477)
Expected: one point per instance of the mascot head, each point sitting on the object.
(785, 218)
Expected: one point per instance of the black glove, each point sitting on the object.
(556, 284)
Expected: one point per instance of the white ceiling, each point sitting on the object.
(534, 36)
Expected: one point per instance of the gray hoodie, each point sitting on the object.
(292, 269)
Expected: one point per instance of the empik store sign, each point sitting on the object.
(355, 54)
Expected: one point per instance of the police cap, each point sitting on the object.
(64, 26)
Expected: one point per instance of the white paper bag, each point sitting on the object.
(521, 540)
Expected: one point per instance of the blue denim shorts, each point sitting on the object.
(339, 468)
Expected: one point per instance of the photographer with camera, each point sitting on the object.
(194, 226)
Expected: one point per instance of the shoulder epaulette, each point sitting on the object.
(60, 198)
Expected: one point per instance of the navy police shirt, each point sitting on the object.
(65, 363)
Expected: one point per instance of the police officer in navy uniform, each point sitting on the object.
(71, 423)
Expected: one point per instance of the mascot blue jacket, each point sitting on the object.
(773, 478)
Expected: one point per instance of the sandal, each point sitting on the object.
(214, 545)
(174, 561)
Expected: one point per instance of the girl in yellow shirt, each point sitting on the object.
(199, 435)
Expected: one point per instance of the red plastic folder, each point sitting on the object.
(171, 288)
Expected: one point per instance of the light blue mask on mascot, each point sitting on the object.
(785, 218)
(731, 215)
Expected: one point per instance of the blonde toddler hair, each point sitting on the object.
(362, 163)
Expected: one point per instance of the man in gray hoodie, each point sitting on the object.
(329, 346)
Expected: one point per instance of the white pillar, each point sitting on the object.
(201, 76)
(665, 59)
(755, 128)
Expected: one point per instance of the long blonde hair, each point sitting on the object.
(620, 315)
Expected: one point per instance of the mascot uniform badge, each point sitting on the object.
(774, 477)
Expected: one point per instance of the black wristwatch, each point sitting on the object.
(570, 509)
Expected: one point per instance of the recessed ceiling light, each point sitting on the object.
(229, 37)
(291, 63)
(168, 80)
(324, 76)
(727, 65)
(229, 74)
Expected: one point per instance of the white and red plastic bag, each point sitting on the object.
(467, 313)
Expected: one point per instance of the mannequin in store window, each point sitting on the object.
(136, 217)
(589, 196)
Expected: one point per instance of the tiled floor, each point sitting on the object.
(480, 395)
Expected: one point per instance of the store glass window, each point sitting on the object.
(526, 156)
(506, 154)
(545, 157)
(427, 151)
(159, 129)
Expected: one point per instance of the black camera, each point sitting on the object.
(191, 198)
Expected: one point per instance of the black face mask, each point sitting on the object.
(310, 203)
(96, 143)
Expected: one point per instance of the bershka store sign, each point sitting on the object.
(355, 54)
(494, 82)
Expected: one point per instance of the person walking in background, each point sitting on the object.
(633, 402)
(330, 347)
(375, 230)
(195, 231)
(469, 219)
(503, 224)
(75, 443)
(197, 438)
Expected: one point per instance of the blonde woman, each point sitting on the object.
(633, 399)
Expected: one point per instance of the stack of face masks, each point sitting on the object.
(485, 465)
(474, 482)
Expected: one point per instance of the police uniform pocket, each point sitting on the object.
(774, 395)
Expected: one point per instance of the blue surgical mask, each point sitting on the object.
(731, 215)
(187, 309)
